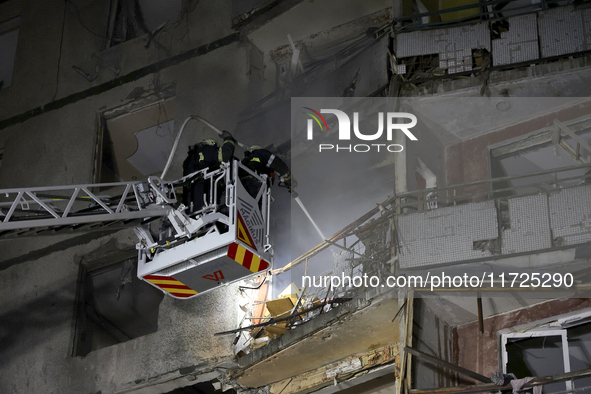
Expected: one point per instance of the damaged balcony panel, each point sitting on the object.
(530, 225)
(570, 215)
(466, 232)
(551, 33)
(564, 30)
(454, 45)
(446, 234)
(518, 43)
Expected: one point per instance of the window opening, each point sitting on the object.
(542, 353)
(561, 346)
(135, 145)
(8, 41)
(114, 306)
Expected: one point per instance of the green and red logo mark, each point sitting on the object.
(315, 116)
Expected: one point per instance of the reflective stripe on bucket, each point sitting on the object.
(246, 258)
(171, 285)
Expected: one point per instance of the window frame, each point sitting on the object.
(536, 334)
(552, 326)
(165, 94)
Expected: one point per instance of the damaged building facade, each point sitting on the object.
(97, 91)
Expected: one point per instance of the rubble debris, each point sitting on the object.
(280, 315)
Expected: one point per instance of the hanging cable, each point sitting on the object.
(59, 59)
(79, 16)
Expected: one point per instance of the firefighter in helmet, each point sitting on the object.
(204, 155)
(263, 161)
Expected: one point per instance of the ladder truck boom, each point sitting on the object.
(184, 255)
(57, 209)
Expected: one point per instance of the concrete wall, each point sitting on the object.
(37, 312)
(63, 141)
(434, 336)
(214, 87)
(41, 49)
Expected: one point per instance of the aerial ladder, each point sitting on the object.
(183, 255)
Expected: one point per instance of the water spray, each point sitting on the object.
(297, 199)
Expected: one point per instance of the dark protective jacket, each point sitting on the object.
(203, 156)
(262, 161)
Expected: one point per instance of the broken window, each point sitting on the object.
(8, 40)
(114, 306)
(538, 353)
(554, 348)
(579, 349)
(134, 143)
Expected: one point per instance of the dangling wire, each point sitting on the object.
(59, 59)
